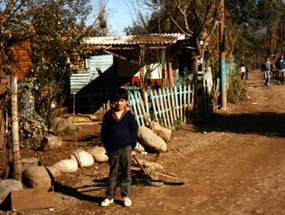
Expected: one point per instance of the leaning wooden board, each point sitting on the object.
(29, 199)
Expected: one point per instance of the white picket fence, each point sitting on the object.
(168, 106)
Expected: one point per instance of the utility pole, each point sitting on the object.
(223, 57)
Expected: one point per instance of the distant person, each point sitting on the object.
(119, 136)
(280, 66)
(246, 73)
(267, 69)
(242, 69)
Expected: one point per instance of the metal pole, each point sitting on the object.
(223, 58)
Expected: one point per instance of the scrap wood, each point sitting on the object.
(168, 175)
(153, 173)
(141, 166)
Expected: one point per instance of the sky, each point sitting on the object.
(119, 16)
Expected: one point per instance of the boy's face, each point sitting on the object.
(120, 104)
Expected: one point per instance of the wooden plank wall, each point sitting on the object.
(22, 62)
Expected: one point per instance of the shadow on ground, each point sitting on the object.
(69, 191)
(270, 124)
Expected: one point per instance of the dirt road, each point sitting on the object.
(231, 163)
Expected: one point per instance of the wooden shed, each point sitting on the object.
(133, 59)
(144, 61)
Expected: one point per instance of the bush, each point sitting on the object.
(236, 90)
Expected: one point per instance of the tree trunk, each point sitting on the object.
(15, 130)
(2, 130)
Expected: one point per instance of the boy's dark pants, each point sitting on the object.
(123, 158)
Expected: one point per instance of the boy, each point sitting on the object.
(119, 136)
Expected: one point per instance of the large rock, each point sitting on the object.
(38, 177)
(6, 186)
(27, 162)
(151, 140)
(83, 158)
(51, 142)
(99, 154)
(66, 166)
(58, 125)
(83, 118)
(164, 133)
(54, 171)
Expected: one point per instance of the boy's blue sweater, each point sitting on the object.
(118, 134)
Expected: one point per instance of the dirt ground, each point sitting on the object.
(230, 163)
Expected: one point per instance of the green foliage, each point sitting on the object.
(178, 123)
(59, 27)
(185, 77)
(32, 129)
(32, 126)
(236, 91)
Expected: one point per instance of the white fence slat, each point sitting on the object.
(188, 97)
(162, 107)
(166, 110)
(138, 104)
(158, 106)
(141, 104)
(135, 109)
(176, 102)
(180, 103)
(170, 107)
(173, 104)
(147, 107)
(154, 106)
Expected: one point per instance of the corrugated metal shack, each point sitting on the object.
(146, 61)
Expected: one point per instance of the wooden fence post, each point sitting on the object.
(15, 130)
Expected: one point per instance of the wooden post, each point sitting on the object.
(142, 68)
(2, 129)
(163, 67)
(223, 58)
(15, 130)
(171, 81)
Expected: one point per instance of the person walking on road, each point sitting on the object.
(267, 69)
(246, 73)
(242, 69)
(280, 66)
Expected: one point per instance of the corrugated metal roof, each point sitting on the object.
(154, 39)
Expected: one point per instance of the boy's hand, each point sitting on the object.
(133, 153)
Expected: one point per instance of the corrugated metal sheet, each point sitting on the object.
(78, 79)
(82, 77)
(104, 62)
(138, 39)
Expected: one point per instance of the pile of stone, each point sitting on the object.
(154, 138)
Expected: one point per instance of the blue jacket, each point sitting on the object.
(280, 64)
(118, 134)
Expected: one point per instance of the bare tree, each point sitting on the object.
(197, 19)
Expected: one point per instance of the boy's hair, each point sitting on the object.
(121, 93)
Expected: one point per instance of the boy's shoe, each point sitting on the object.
(107, 202)
(127, 201)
